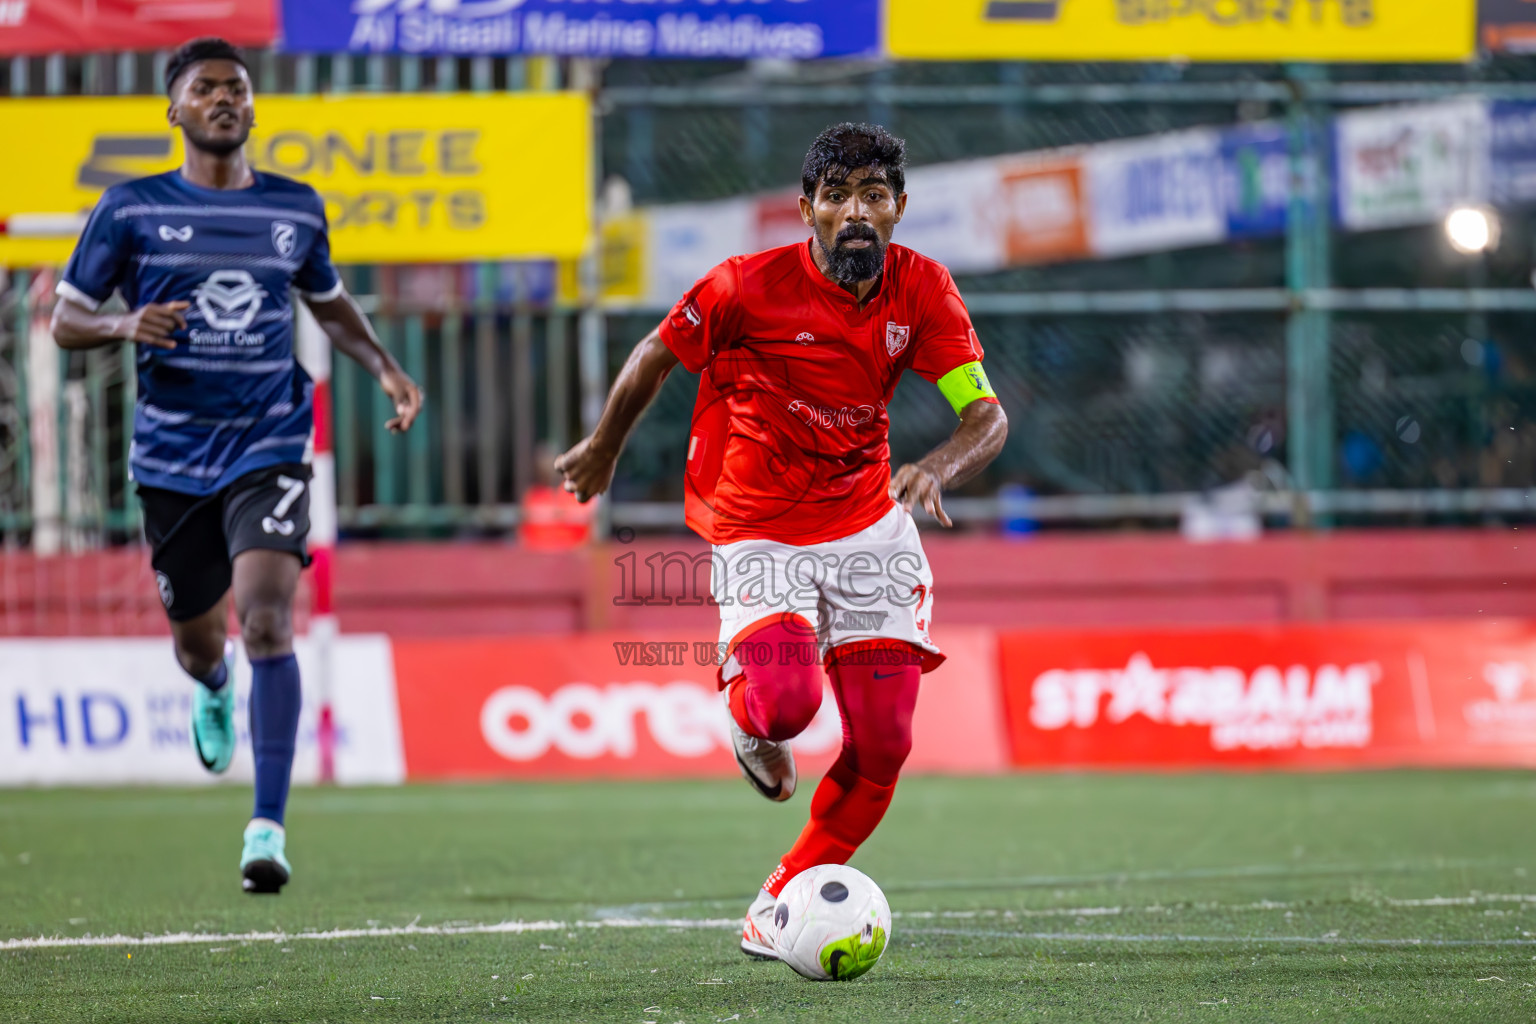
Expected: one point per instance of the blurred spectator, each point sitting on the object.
(553, 520)
(1013, 501)
(1361, 456)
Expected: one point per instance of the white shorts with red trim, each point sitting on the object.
(870, 588)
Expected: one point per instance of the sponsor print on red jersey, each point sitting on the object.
(790, 438)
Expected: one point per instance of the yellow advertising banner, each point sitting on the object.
(1214, 30)
(406, 178)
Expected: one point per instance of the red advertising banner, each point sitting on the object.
(779, 221)
(1507, 25)
(1044, 211)
(81, 26)
(609, 705)
(1432, 693)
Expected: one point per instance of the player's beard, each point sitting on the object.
(850, 266)
(220, 146)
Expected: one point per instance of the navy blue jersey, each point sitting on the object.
(230, 398)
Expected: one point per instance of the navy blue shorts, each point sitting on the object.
(194, 538)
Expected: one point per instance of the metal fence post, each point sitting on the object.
(418, 443)
(1309, 405)
(450, 400)
(557, 366)
(22, 282)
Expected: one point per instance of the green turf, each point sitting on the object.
(1062, 898)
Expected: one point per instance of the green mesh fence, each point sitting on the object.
(1099, 404)
(1173, 403)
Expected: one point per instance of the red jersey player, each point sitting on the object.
(816, 557)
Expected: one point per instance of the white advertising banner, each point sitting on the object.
(950, 218)
(1410, 165)
(1160, 192)
(89, 711)
(687, 239)
(953, 216)
(1395, 166)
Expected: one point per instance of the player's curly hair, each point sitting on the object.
(846, 147)
(206, 48)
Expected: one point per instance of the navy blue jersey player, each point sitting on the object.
(206, 257)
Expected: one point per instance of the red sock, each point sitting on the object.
(876, 689)
(844, 811)
(876, 698)
(779, 690)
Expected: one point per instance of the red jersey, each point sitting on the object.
(790, 440)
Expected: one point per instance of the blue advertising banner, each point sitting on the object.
(663, 29)
(1512, 151)
(1256, 179)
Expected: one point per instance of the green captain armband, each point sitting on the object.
(964, 384)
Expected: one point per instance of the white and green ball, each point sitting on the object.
(831, 923)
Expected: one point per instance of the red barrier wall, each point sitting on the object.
(488, 588)
(599, 705)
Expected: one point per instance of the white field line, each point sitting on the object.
(641, 911)
(1114, 878)
(1476, 899)
(1192, 874)
(335, 934)
(721, 924)
(731, 923)
(1234, 940)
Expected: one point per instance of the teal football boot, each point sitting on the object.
(263, 868)
(213, 721)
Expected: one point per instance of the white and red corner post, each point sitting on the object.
(314, 351)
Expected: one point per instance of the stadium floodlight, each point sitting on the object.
(1472, 229)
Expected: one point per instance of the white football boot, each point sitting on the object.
(768, 765)
(757, 930)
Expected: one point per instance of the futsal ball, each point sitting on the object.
(831, 923)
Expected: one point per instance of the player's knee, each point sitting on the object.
(796, 697)
(199, 658)
(267, 629)
(782, 699)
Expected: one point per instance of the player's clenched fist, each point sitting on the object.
(587, 468)
(406, 396)
(152, 324)
(914, 485)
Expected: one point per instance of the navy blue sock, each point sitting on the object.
(275, 699)
(216, 678)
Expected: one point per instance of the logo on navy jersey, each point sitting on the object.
(284, 236)
(170, 234)
(167, 594)
(229, 300)
(896, 339)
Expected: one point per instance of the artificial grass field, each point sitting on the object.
(1369, 897)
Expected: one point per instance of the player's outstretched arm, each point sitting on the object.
(975, 443)
(75, 327)
(349, 330)
(588, 467)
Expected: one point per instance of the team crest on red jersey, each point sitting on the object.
(896, 338)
